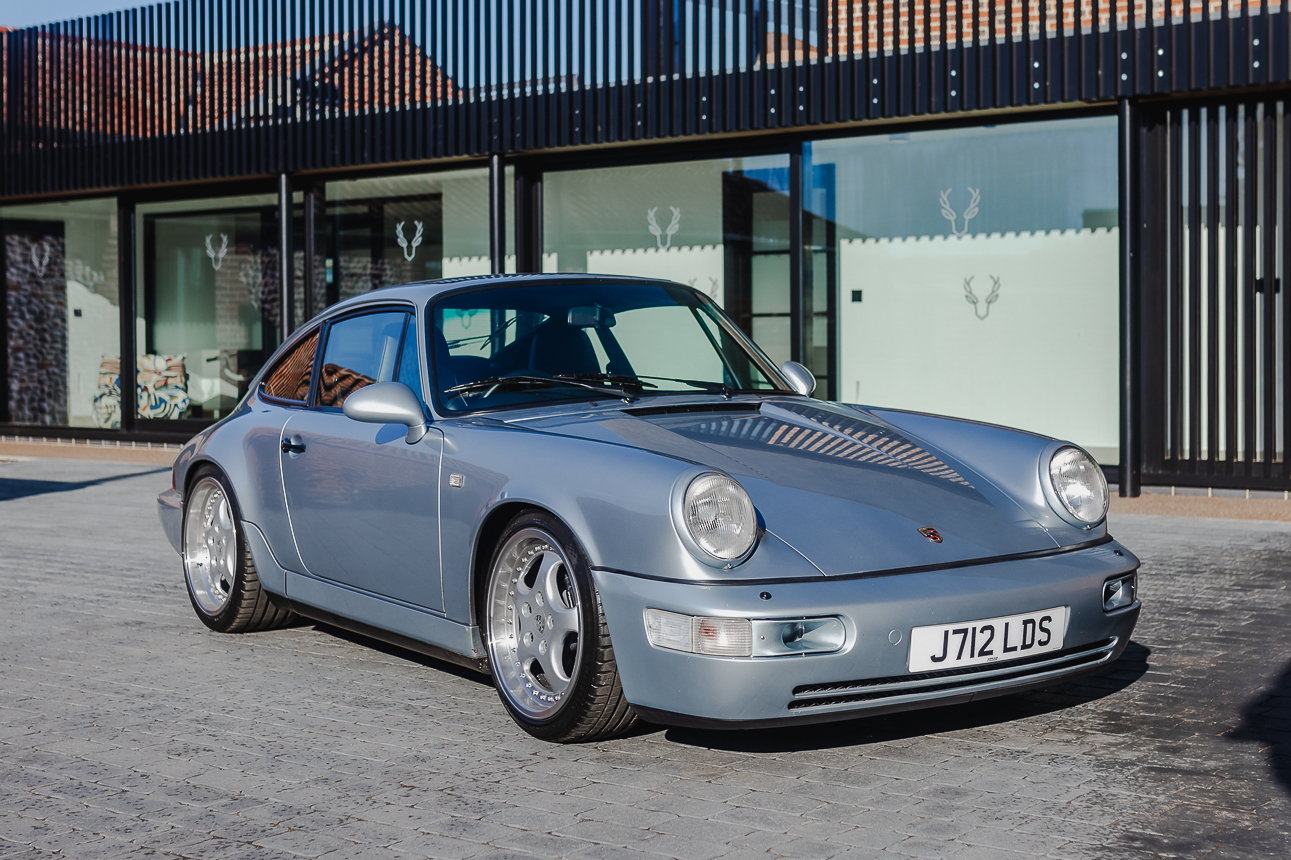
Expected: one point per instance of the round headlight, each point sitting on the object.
(719, 516)
(1079, 484)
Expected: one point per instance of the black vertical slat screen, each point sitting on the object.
(1219, 351)
(203, 89)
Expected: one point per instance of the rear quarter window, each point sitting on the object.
(289, 378)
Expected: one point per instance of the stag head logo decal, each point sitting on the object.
(40, 254)
(948, 211)
(217, 257)
(982, 308)
(409, 248)
(662, 236)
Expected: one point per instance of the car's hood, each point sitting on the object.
(845, 489)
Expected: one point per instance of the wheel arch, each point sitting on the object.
(196, 465)
(486, 540)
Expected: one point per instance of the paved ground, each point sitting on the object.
(129, 730)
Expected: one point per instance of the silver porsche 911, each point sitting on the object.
(598, 490)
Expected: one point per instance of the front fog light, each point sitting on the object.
(773, 638)
(1119, 593)
(740, 637)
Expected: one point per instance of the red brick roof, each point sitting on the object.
(157, 91)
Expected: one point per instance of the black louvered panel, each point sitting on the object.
(206, 89)
(1218, 337)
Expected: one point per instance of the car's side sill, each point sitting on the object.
(382, 619)
(476, 664)
(892, 571)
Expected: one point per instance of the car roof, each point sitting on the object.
(421, 291)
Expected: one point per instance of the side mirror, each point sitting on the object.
(388, 403)
(800, 378)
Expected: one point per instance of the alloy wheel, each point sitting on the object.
(534, 623)
(210, 546)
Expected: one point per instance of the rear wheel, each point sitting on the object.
(221, 577)
(549, 646)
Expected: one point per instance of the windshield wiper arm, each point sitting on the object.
(520, 379)
(612, 378)
(714, 387)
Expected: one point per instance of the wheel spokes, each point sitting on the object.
(210, 546)
(535, 630)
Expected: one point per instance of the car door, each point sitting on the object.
(363, 503)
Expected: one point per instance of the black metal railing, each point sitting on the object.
(202, 89)
(1217, 314)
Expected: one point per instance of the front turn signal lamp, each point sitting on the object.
(743, 637)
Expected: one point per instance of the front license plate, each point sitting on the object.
(973, 643)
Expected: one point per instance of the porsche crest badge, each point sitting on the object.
(931, 534)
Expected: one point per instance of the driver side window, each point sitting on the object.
(360, 351)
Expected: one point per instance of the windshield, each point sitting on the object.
(545, 342)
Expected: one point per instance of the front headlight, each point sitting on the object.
(719, 517)
(1079, 484)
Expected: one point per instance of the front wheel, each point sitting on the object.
(221, 577)
(549, 645)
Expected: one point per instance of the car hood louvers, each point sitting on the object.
(849, 493)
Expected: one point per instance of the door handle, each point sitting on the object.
(290, 447)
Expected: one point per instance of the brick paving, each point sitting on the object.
(129, 730)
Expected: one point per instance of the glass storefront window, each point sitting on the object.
(721, 226)
(395, 229)
(61, 315)
(208, 303)
(975, 273)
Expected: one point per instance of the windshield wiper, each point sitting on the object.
(712, 387)
(495, 382)
(611, 378)
(640, 381)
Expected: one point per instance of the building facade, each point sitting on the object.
(1070, 217)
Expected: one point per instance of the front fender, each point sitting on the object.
(615, 498)
(1010, 459)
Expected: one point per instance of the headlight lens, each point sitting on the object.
(1079, 484)
(719, 516)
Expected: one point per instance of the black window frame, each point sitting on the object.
(408, 309)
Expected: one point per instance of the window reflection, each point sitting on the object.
(360, 351)
(720, 226)
(209, 303)
(289, 379)
(63, 314)
(976, 273)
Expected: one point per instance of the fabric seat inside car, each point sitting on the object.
(559, 348)
(445, 375)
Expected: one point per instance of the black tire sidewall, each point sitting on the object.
(224, 619)
(560, 722)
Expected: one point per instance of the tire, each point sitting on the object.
(548, 644)
(221, 577)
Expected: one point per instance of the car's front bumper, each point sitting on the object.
(870, 674)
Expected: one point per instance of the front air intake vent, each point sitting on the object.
(950, 681)
(683, 408)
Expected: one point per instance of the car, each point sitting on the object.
(600, 492)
